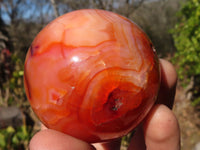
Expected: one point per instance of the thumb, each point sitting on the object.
(53, 140)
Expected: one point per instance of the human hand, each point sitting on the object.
(159, 130)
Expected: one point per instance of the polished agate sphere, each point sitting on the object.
(91, 74)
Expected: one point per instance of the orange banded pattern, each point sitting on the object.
(91, 74)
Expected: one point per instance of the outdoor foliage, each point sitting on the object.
(187, 41)
(12, 91)
(21, 20)
(12, 139)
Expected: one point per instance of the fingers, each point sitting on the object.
(113, 145)
(166, 96)
(53, 140)
(161, 129)
(168, 83)
(137, 142)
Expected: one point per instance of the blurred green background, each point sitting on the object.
(172, 25)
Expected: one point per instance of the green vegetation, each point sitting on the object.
(19, 28)
(13, 94)
(186, 36)
(187, 39)
(11, 139)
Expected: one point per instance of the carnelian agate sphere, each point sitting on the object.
(91, 74)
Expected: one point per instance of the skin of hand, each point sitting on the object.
(159, 130)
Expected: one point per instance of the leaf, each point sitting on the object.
(10, 129)
(2, 141)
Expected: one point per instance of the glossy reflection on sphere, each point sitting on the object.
(91, 74)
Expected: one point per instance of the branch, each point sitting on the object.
(139, 4)
(101, 4)
(56, 13)
(131, 7)
(109, 5)
(127, 2)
